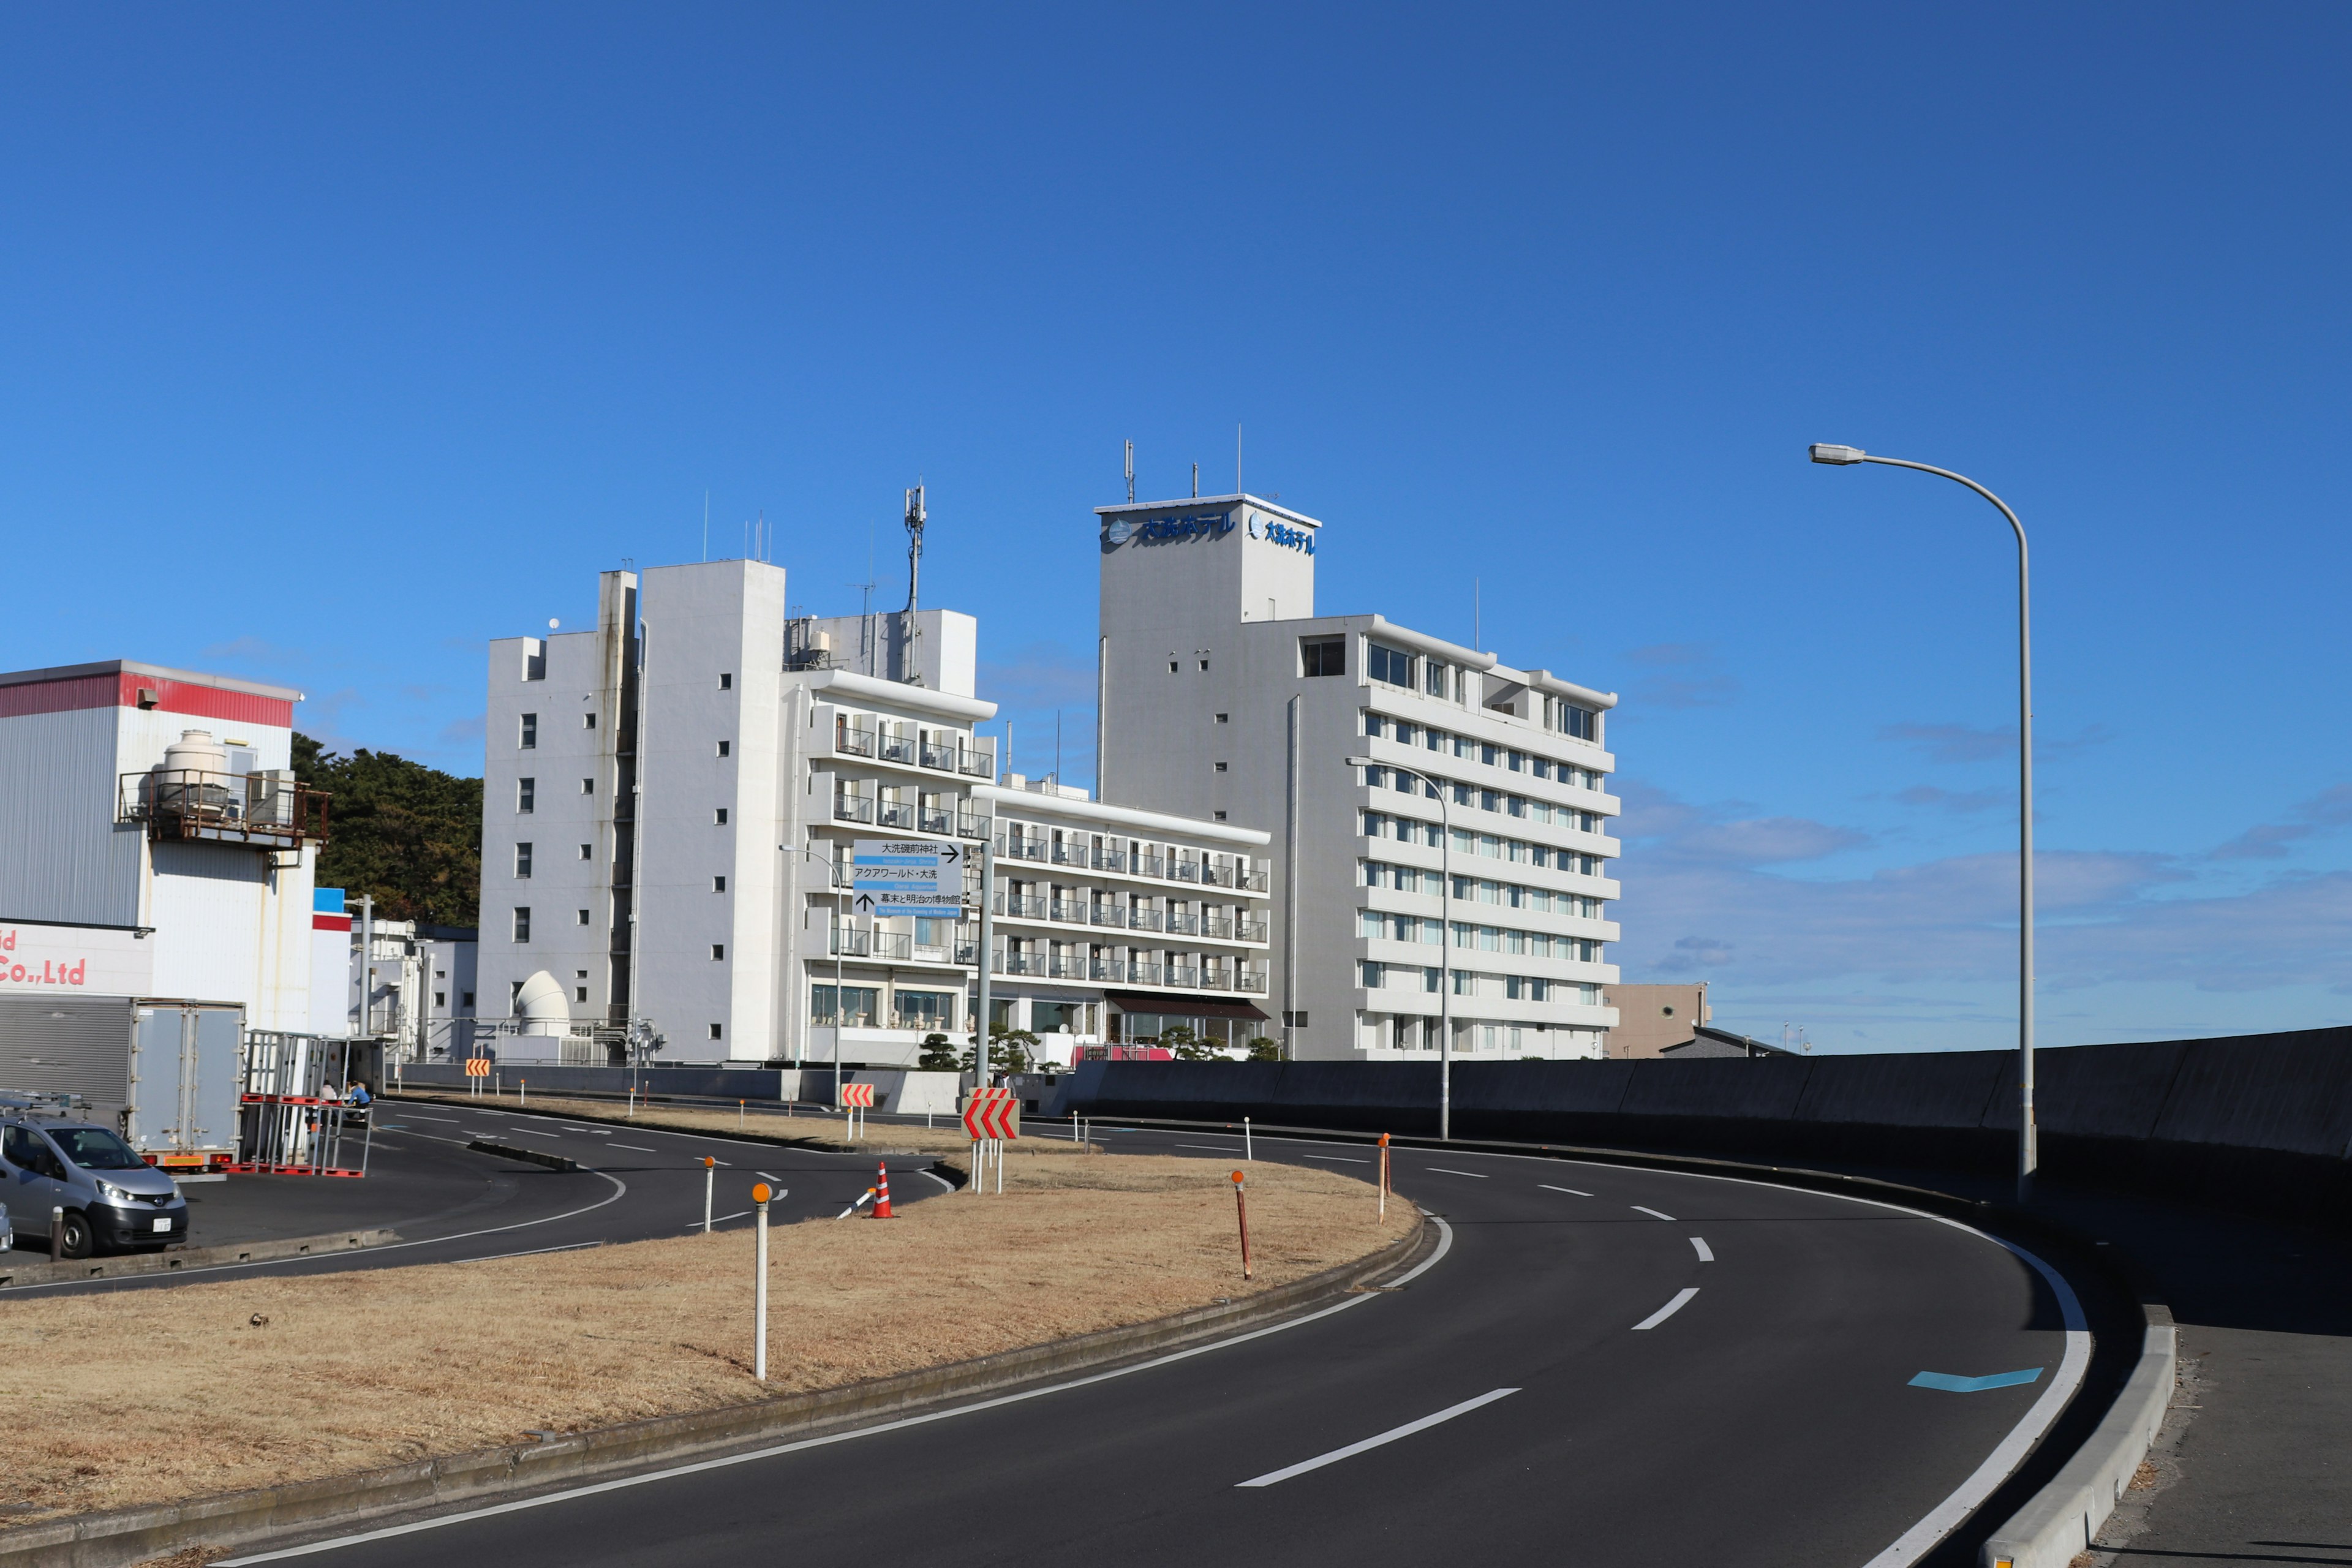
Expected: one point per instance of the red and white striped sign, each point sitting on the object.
(992, 1113)
(858, 1094)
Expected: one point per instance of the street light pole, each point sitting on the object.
(2028, 1133)
(1444, 941)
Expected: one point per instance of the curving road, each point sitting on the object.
(452, 1204)
(1598, 1365)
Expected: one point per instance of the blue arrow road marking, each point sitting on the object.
(1950, 1384)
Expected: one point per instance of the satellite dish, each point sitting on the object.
(552, 623)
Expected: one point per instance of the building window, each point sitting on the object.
(1392, 665)
(722, 748)
(725, 683)
(529, 737)
(582, 917)
(1171, 666)
(861, 1000)
(1433, 678)
(717, 884)
(587, 852)
(1369, 975)
(1221, 767)
(587, 721)
(587, 786)
(521, 924)
(1220, 816)
(714, 1028)
(579, 993)
(1221, 717)
(1322, 656)
(468, 998)
(440, 998)
(522, 860)
(526, 794)
(718, 952)
(1582, 724)
(1204, 665)
(718, 816)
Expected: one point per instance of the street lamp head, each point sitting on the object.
(1825, 452)
(1361, 762)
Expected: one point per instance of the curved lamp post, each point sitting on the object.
(2028, 1154)
(1444, 941)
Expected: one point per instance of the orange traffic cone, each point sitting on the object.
(882, 1194)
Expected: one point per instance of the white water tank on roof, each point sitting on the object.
(193, 778)
(542, 1007)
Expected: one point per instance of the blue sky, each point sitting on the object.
(338, 343)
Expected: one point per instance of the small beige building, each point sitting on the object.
(1652, 1018)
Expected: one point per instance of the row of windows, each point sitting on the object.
(1406, 782)
(1444, 743)
(524, 854)
(522, 921)
(1494, 846)
(527, 793)
(1375, 976)
(1482, 890)
(863, 1005)
(528, 737)
(1419, 1032)
(1384, 926)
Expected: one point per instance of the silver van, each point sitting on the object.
(112, 1199)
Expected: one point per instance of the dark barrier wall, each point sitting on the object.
(724, 1083)
(2253, 1117)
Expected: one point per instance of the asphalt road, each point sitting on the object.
(1601, 1365)
(451, 1204)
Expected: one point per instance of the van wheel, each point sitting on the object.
(76, 1241)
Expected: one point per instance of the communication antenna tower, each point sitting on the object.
(916, 518)
(1130, 472)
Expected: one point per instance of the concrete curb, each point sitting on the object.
(275, 1513)
(43, 1272)
(2064, 1516)
(515, 1151)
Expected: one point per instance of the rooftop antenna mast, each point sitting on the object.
(916, 519)
(1131, 473)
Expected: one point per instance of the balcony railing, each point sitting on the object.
(1131, 863)
(1017, 907)
(850, 807)
(266, 810)
(949, 755)
(852, 941)
(963, 821)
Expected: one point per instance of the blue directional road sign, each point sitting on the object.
(919, 876)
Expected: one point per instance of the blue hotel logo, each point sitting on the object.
(1206, 525)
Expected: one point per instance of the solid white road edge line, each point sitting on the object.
(1652, 1212)
(1682, 1300)
(941, 1180)
(1445, 1245)
(1948, 1515)
(1706, 1255)
(1391, 1436)
(620, 1190)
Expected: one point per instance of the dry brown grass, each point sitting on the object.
(147, 1395)
(820, 1131)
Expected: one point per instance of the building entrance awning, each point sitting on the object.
(1183, 1006)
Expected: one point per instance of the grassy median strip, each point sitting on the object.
(152, 1395)
(814, 1132)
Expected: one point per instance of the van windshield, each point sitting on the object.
(96, 1149)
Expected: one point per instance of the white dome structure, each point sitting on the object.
(542, 1007)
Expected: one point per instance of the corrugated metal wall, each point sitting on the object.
(62, 855)
(49, 1045)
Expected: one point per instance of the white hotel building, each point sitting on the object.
(1225, 696)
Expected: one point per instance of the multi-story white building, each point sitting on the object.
(670, 798)
(1113, 924)
(1225, 696)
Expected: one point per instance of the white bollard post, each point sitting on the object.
(1247, 1158)
(709, 1185)
(760, 1288)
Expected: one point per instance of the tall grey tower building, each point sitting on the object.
(1225, 696)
